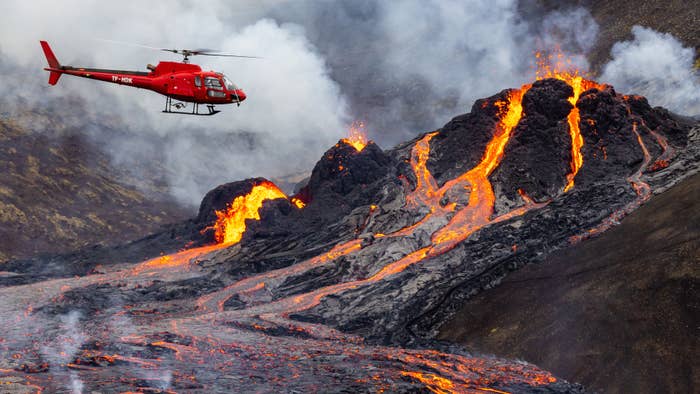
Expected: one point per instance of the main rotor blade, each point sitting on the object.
(186, 52)
(202, 50)
(126, 43)
(228, 55)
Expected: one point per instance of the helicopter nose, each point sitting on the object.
(238, 95)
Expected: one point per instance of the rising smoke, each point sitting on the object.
(409, 66)
(658, 66)
(403, 67)
(63, 348)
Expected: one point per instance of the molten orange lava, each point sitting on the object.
(357, 136)
(548, 68)
(179, 259)
(426, 188)
(667, 151)
(230, 223)
(482, 198)
(297, 202)
(640, 187)
(434, 383)
(509, 119)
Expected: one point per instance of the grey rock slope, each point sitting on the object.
(617, 313)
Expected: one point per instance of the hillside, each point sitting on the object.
(616, 18)
(618, 313)
(59, 192)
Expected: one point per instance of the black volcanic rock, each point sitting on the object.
(547, 102)
(342, 168)
(538, 154)
(611, 147)
(660, 119)
(461, 142)
(275, 220)
(220, 197)
(344, 179)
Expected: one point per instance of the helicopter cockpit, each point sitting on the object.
(217, 85)
(214, 87)
(229, 84)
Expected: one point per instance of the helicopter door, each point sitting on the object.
(214, 87)
(180, 87)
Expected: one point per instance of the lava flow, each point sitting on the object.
(229, 227)
(546, 68)
(230, 223)
(481, 198)
(640, 187)
(466, 221)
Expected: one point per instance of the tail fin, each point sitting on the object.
(53, 63)
(50, 57)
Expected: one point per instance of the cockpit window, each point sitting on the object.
(229, 84)
(212, 82)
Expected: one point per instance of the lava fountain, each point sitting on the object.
(357, 136)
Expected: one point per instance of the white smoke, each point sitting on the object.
(410, 65)
(658, 66)
(573, 34)
(473, 49)
(121, 326)
(76, 384)
(63, 348)
(466, 48)
(294, 110)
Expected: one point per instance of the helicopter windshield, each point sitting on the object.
(229, 84)
(211, 82)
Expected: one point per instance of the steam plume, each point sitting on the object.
(658, 66)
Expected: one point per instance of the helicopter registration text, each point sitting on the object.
(122, 79)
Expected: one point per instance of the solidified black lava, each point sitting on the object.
(538, 156)
(461, 142)
(344, 179)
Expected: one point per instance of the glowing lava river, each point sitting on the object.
(260, 308)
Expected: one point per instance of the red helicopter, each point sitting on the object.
(180, 81)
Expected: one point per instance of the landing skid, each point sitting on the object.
(195, 108)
